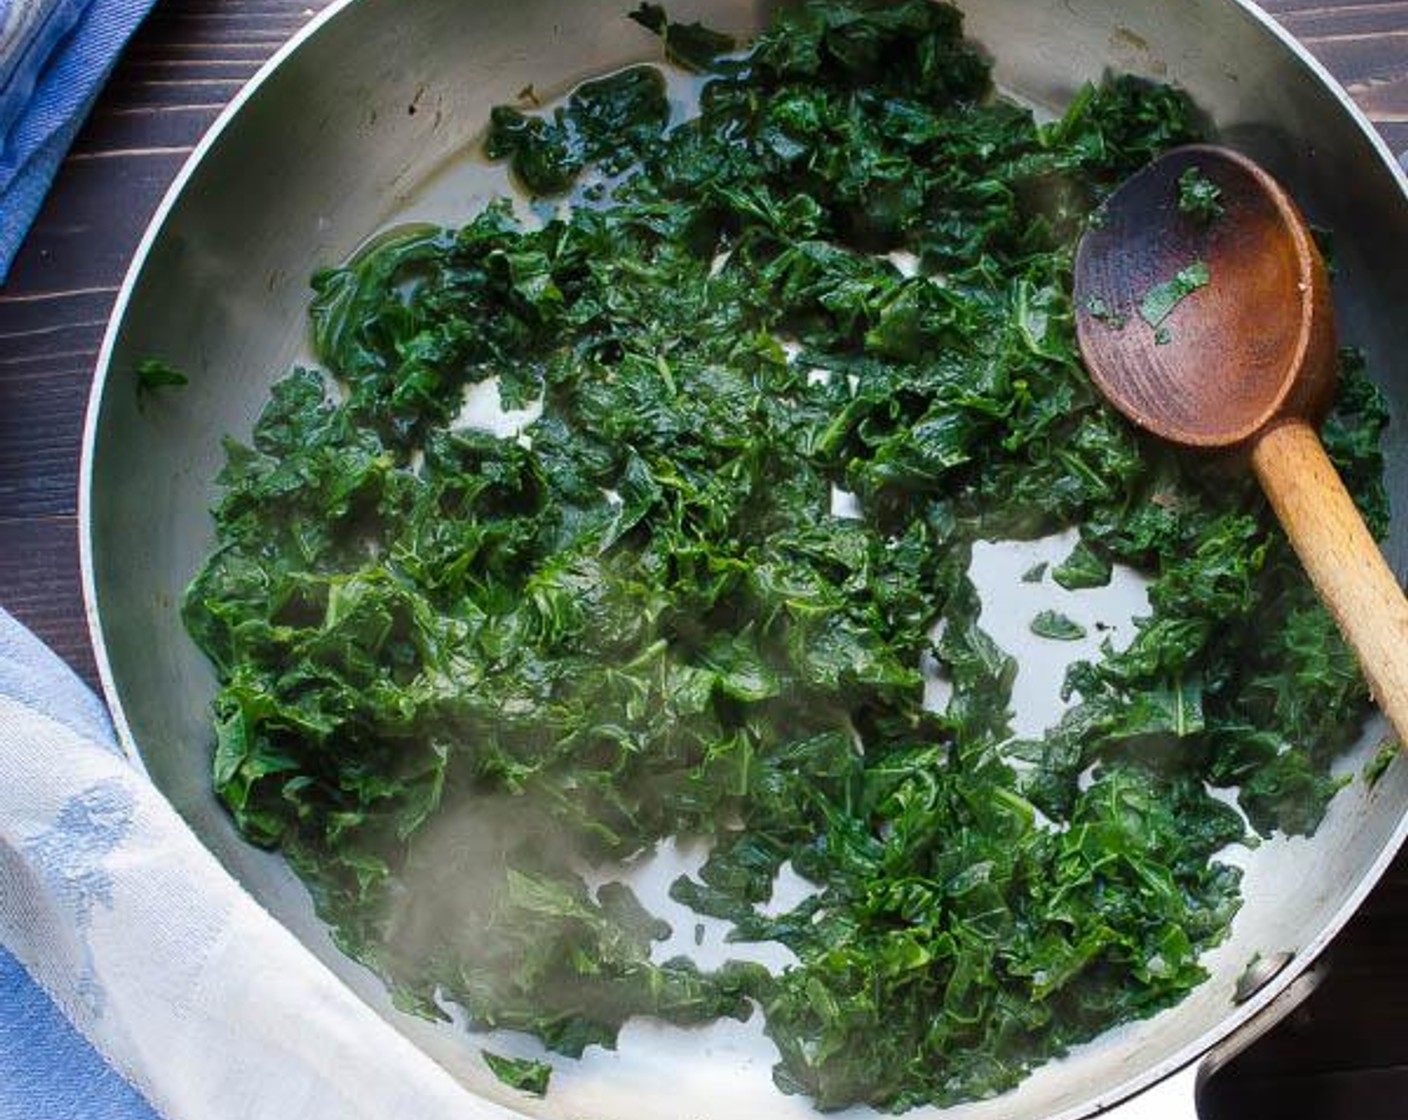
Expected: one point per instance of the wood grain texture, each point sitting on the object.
(185, 63)
(179, 71)
(39, 575)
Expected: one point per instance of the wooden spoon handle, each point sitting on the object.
(1341, 557)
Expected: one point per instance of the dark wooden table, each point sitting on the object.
(1344, 1055)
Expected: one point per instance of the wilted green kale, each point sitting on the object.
(609, 121)
(1199, 196)
(1057, 626)
(690, 45)
(1083, 568)
(519, 1073)
(153, 374)
(1383, 758)
(457, 669)
(1160, 300)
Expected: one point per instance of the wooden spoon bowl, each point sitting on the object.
(1215, 330)
(1255, 343)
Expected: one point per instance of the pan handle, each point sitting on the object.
(1176, 1097)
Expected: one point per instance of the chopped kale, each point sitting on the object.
(690, 45)
(519, 1073)
(608, 121)
(1160, 300)
(1085, 567)
(1100, 310)
(454, 667)
(1199, 197)
(153, 374)
(1057, 626)
(1383, 758)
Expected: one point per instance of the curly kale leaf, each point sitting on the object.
(519, 1073)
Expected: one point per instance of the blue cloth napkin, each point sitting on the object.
(137, 979)
(54, 57)
(47, 1069)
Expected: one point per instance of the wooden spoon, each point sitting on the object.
(1217, 332)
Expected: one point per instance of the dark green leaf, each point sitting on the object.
(519, 1073)
(154, 374)
(1199, 197)
(1055, 625)
(1083, 568)
(1160, 300)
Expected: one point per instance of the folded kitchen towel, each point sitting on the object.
(54, 57)
(137, 979)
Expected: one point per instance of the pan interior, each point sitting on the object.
(372, 121)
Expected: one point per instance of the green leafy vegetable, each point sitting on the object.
(1055, 625)
(691, 45)
(1083, 568)
(456, 668)
(1383, 758)
(519, 1073)
(153, 374)
(607, 121)
(1160, 300)
(1199, 197)
(1100, 310)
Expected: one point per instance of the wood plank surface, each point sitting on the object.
(179, 71)
(1344, 1055)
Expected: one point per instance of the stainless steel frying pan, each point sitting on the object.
(367, 119)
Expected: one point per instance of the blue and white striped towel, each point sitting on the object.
(137, 979)
(54, 57)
